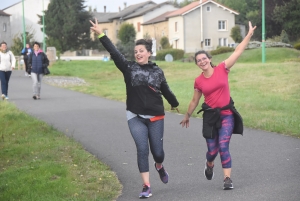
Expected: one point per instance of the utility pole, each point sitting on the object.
(263, 45)
(24, 31)
(44, 43)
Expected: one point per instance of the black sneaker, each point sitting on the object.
(164, 176)
(227, 184)
(208, 171)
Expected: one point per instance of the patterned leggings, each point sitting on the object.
(221, 142)
(145, 132)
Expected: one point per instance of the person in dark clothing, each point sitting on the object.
(145, 85)
(26, 52)
(37, 62)
(213, 84)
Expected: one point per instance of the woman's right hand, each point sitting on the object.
(95, 27)
(186, 121)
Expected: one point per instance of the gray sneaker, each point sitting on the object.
(208, 171)
(227, 184)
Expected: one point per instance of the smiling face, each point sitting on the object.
(203, 61)
(141, 54)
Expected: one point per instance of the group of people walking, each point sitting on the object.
(146, 84)
(35, 60)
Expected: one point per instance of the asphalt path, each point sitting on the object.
(266, 166)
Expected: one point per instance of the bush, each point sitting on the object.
(176, 53)
(164, 42)
(221, 50)
(297, 46)
(236, 34)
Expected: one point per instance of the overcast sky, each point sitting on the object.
(111, 5)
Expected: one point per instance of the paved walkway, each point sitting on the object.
(266, 166)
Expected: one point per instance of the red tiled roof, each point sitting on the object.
(193, 5)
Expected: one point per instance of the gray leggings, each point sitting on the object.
(37, 82)
(145, 132)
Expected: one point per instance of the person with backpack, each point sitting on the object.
(7, 64)
(26, 51)
(37, 61)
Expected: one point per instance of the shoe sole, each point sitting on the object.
(3, 97)
(205, 174)
(228, 188)
(143, 196)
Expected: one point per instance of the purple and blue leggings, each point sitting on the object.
(221, 142)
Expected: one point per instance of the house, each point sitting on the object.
(157, 27)
(32, 8)
(135, 14)
(204, 24)
(5, 33)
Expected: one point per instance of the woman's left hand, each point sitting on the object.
(175, 108)
(96, 27)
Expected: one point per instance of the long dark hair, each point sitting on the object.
(146, 43)
(206, 53)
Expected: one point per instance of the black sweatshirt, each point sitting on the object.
(144, 84)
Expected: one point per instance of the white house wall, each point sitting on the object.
(32, 8)
(176, 35)
(5, 34)
(192, 33)
(210, 25)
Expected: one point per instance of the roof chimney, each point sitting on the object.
(119, 9)
(104, 9)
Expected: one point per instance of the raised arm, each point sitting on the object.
(116, 56)
(192, 106)
(240, 48)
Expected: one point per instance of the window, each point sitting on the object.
(223, 42)
(176, 26)
(222, 25)
(208, 8)
(207, 42)
(105, 31)
(139, 27)
(4, 27)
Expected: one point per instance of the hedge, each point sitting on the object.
(221, 50)
(176, 53)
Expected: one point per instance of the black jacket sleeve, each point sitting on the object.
(116, 56)
(168, 94)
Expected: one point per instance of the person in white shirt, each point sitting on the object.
(7, 64)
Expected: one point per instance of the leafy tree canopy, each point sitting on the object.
(18, 44)
(67, 25)
(126, 33)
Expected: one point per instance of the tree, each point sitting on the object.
(18, 44)
(287, 17)
(126, 44)
(164, 42)
(236, 34)
(67, 25)
(126, 32)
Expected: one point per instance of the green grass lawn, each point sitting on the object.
(39, 163)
